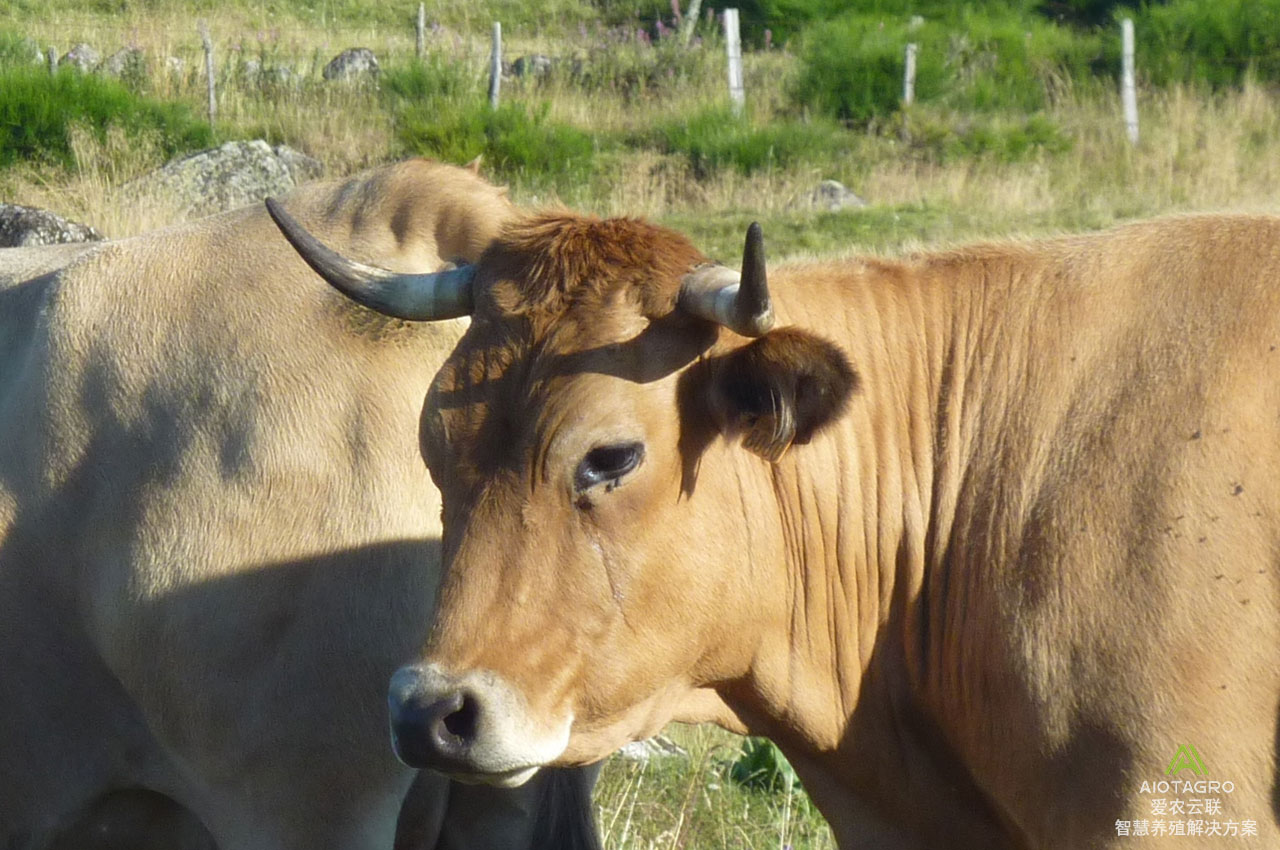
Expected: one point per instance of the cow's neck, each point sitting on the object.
(856, 686)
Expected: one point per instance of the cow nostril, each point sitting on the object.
(461, 723)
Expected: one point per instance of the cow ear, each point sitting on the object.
(474, 165)
(781, 389)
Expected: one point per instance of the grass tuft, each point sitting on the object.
(37, 110)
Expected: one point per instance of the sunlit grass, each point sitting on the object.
(692, 803)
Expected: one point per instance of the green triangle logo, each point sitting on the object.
(1186, 758)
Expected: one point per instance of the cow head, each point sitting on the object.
(601, 516)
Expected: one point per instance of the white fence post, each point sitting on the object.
(909, 76)
(690, 21)
(208, 70)
(733, 46)
(495, 66)
(420, 44)
(1128, 95)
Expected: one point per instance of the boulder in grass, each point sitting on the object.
(832, 196)
(534, 65)
(82, 57)
(351, 65)
(25, 227)
(127, 62)
(234, 175)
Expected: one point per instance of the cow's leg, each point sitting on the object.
(134, 819)
(552, 811)
(317, 809)
(423, 812)
(67, 732)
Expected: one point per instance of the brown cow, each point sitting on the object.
(217, 540)
(987, 540)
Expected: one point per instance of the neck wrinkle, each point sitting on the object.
(866, 516)
(858, 505)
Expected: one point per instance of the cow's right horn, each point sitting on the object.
(416, 297)
(739, 301)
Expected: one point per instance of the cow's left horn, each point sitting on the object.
(740, 302)
(416, 297)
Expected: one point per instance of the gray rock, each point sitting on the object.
(81, 57)
(832, 195)
(354, 63)
(22, 227)
(223, 178)
(533, 65)
(268, 76)
(174, 65)
(658, 747)
(125, 62)
(33, 51)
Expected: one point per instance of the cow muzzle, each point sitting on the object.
(472, 727)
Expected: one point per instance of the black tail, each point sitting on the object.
(566, 820)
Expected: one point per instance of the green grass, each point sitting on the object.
(942, 137)
(518, 142)
(695, 802)
(716, 139)
(18, 50)
(38, 110)
(971, 59)
(1214, 43)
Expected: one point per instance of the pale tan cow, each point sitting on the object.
(218, 540)
(988, 540)
(19, 264)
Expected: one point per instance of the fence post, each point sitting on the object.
(421, 43)
(690, 20)
(1128, 94)
(208, 70)
(495, 66)
(733, 46)
(909, 76)
(53, 59)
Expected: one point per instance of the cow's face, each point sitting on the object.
(587, 436)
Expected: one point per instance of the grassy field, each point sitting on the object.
(646, 129)
(622, 126)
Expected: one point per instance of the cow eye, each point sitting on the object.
(607, 464)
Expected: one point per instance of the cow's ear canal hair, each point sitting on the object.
(780, 390)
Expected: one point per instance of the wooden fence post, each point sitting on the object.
(733, 46)
(909, 76)
(208, 70)
(53, 59)
(690, 20)
(1128, 93)
(421, 43)
(495, 66)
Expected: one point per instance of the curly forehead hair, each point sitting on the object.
(547, 262)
